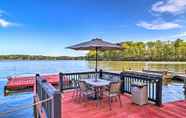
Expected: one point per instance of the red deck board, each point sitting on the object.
(19, 81)
(74, 109)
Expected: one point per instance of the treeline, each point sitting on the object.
(146, 51)
(37, 57)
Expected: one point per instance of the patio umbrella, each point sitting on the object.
(95, 44)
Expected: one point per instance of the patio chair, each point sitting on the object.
(113, 91)
(76, 84)
(85, 76)
(85, 92)
(76, 88)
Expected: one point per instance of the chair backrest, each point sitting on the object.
(76, 83)
(82, 86)
(114, 87)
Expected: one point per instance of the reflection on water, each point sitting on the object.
(173, 91)
(125, 65)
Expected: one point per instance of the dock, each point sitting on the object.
(181, 76)
(62, 105)
(72, 108)
(26, 83)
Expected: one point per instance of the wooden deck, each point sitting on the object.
(16, 83)
(71, 108)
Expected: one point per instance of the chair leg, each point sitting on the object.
(110, 101)
(80, 97)
(77, 93)
(73, 94)
(84, 97)
(120, 100)
(116, 99)
(97, 102)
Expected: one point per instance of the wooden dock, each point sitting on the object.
(181, 76)
(73, 109)
(26, 83)
(63, 105)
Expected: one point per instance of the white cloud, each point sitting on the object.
(4, 23)
(158, 25)
(170, 6)
(179, 35)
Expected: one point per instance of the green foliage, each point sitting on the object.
(146, 51)
(37, 57)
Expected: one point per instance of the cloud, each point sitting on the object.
(4, 23)
(170, 6)
(158, 25)
(182, 34)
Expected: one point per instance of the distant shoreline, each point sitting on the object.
(130, 61)
(58, 58)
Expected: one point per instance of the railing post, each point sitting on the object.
(61, 83)
(35, 107)
(159, 92)
(36, 82)
(122, 82)
(184, 80)
(37, 95)
(100, 73)
(5, 91)
(57, 104)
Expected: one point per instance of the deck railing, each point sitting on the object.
(69, 80)
(153, 81)
(45, 91)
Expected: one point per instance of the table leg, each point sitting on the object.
(97, 96)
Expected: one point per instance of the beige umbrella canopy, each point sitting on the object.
(95, 44)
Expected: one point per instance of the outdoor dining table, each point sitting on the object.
(97, 85)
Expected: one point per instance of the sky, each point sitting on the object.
(47, 27)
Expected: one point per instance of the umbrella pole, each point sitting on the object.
(96, 59)
(96, 62)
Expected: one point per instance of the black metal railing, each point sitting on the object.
(69, 80)
(44, 91)
(153, 81)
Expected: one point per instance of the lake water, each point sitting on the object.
(173, 91)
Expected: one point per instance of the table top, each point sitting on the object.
(98, 83)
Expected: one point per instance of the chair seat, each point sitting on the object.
(106, 93)
(88, 92)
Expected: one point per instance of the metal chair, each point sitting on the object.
(76, 84)
(76, 88)
(85, 92)
(113, 91)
